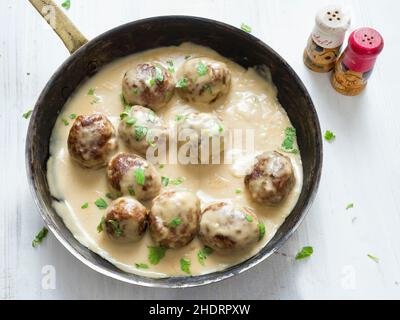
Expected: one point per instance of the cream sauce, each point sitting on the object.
(251, 103)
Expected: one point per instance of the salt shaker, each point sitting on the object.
(325, 41)
(356, 63)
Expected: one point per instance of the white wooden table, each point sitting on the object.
(362, 166)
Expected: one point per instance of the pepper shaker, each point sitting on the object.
(356, 63)
(326, 39)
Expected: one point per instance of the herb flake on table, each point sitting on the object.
(141, 265)
(27, 114)
(39, 237)
(66, 4)
(350, 206)
(156, 254)
(245, 27)
(203, 254)
(261, 231)
(375, 259)
(329, 136)
(185, 265)
(175, 222)
(139, 176)
(289, 140)
(101, 203)
(304, 253)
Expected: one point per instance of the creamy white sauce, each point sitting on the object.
(251, 103)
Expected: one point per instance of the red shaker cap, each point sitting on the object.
(364, 46)
(366, 41)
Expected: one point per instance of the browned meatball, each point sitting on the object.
(133, 175)
(271, 178)
(224, 226)
(203, 80)
(174, 218)
(149, 85)
(91, 140)
(126, 220)
(141, 128)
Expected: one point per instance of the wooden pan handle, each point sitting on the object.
(68, 33)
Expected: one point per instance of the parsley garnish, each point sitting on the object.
(130, 121)
(156, 254)
(140, 132)
(165, 181)
(238, 191)
(27, 114)
(304, 253)
(203, 253)
(329, 136)
(249, 218)
(376, 259)
(349, 206)
(125, 113)
(261, 231)
(66, 4)
(100, 226)
(117, 229)
(288, 142)
(65, 121)
(139, 176)
(141, 266)
(175, 222)
(39, 237)
(171, 66)
(177, 181)
(162, 166)
(101, 203)
(182, 83)
(180, 117)
(185, 265)
(85, 205)
(245, 28)
(72, 116)
(90, 92)
(131, 191)
(159, 75)
(151, 82)
(202, 69)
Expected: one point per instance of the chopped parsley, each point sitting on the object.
(101, 203)
(140, 132)
(90, 92)
(171, 66)
(185, 265)
(65, 122)
(182, 83)
(139, 176)
(117, 229)
(288, 142)
(220, 128)
(141, 265)
(203, 254)
(202, 69)
(245, 28)
(304, 253)
(162, 166)
(72, 116)
(376, 259)
(131, 191)
(180, 117)
(125, 113)
(100, 226)
(151, 82)
(85, 205)
(238, 191)
(175, 222)
(66, 4)
(261, 231)
(177, 181)
(329, 136)
(159, 75)
(350, 206)
(27, 114)
(156, 254)
(130, 121)
(39, 237)
(165, 181)
(249, 218)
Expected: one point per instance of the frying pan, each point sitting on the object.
(87, 57)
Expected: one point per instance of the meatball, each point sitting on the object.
(224, 226)
(91, 140)
(132, 175)
(126, 220)
(206, 133)
(203, 80)
(271, 178)
(174, 218)
(149, 85)
(141, 128)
